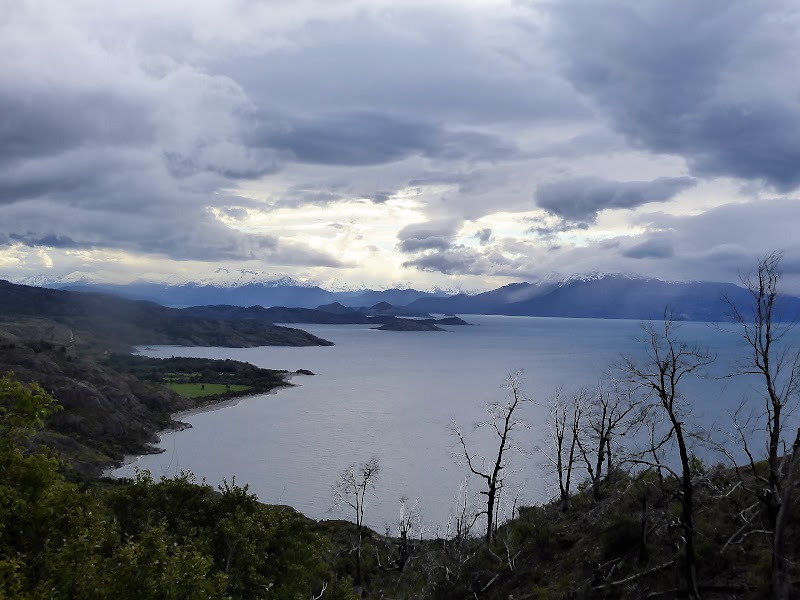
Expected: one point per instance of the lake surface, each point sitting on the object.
(394, 395)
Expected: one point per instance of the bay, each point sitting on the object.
(396, 395)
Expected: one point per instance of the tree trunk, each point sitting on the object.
(687, 500)
(490, 515)
(358, 558)
(780, 561)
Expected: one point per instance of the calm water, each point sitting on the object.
(394, 395)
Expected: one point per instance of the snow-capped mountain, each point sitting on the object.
(594, 295)
(604, 296)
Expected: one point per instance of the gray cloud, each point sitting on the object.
(51, 240)
(370, 138)
(235, 212)
(484, 235)
(458, 260)
(580, 200)
(653, 248)
(49, 121)
(710, 81)
(427, 236)
(440, 61)
(346, 139)
(144, 123)
(199, 237)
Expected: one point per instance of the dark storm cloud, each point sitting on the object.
(452, 261)
(427, 236)
(484, 235)
(50, 240)
(351, 139)
(412, 245)
(580, 200)
(326, 192)
(730, 232)
(506, 258)
(429, 60)
(370, 138)
(714, 82)
(542, 228)
(132, 128)
(49, 121)
(380, 197)
(192, 162)
(103, 177)
(654, 248)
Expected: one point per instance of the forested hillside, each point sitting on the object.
(653, 521)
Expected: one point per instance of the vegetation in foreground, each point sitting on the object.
(141, 539)
(666, 527)
(177, 538)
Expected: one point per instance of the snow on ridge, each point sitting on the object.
(33, 280)
(599, 276)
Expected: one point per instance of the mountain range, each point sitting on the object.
(593, 295)
(282, 293)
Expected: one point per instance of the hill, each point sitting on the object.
(113, 405)
(121, 323)
(606, 296)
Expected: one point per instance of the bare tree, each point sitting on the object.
(659, 377)
(401, 549)
(612, 413)
(777, 364)
(457, 549)
(566, 421)
(503, 422)
(352, 489)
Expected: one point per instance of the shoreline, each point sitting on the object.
(177, 425)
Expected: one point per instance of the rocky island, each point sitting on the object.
(408, 325)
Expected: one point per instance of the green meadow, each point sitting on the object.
(200, 390)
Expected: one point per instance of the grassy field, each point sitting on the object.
(200, 390)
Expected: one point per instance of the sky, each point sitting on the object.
(463, 144)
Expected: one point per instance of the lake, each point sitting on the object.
(394, 395)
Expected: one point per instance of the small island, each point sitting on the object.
(451, 320)
(408, 325)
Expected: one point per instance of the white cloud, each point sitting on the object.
(169, 137)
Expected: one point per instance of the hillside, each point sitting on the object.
(112, 406)
(65, 340)
(121, 323)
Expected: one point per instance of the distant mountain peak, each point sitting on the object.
(599, 276)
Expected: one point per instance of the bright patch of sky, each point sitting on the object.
(444, 143)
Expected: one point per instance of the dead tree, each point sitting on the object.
(503, 422)
(401, 549)
(777, 364)
(566, 422)
(659, 377)
(611, 414)
(352, 489)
